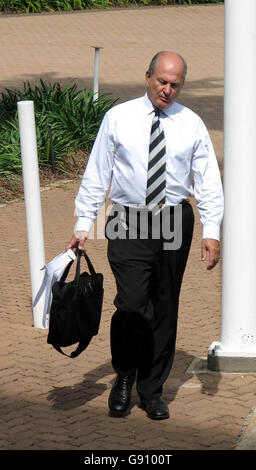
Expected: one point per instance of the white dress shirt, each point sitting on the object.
(119, 160)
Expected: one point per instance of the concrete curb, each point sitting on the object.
(247, 438)
(44, 188)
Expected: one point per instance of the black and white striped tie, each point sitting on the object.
(156, 179)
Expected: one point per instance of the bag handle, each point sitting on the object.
(67, 269)
(87, 259)
(90, 266)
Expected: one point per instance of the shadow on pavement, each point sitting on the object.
(90, 387)
(196, 94)
(96, 382)
(179, 376)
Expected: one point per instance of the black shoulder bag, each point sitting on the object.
(76, 308)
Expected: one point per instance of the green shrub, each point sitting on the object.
(37, 6)
(72, 114)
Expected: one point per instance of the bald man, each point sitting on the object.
(154, 154)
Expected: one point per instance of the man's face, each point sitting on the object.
(165, 84)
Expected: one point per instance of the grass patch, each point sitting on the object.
(38, 6)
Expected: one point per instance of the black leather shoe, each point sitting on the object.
(155, 408)
(120, 395)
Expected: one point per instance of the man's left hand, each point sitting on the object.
(211, 248)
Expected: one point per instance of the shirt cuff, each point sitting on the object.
(84, 224)
(211, 231)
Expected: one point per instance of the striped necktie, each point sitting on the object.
(156, 179)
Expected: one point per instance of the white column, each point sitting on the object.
(96, 73)
(31, 184)
(238, 327)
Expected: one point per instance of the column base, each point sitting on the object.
(221, 360)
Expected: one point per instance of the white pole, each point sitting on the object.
(96, 73)
(31, 184)
(238, 328)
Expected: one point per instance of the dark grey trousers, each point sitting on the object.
(144, 326)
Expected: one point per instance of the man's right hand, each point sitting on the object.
(77, 242)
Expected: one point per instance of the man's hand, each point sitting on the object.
(212, 248)
(77, 241)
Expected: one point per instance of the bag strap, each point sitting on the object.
(80, 348)
(90, 266)
(89, 263)
(87, 259)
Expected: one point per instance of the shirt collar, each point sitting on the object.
(149, 108)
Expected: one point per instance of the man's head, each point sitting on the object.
(165, 78)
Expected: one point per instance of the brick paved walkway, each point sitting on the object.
(47, 400)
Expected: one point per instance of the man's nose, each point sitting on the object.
(167, 89)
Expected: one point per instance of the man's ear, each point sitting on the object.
(147, 76)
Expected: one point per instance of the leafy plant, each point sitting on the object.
(37, 6)
(73, 115)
